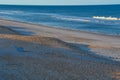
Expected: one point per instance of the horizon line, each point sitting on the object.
(58, 5)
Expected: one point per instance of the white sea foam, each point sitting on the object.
(70, 18)
(10, 12)
(106, 18)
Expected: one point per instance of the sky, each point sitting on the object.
(59, 2)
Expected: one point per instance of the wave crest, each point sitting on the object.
(106, 18)
(70, 18)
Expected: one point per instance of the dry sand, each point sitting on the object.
(36, 52)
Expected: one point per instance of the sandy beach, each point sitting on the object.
(37, 52)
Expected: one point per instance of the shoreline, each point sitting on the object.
(68, 29)
(49, 27)
(65, 29)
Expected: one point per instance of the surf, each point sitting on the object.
(106, 18)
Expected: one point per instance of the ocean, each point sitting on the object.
(101, 19)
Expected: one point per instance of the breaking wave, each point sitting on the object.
(71, 18)
(106, 18)
(96, 20)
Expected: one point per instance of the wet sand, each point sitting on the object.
(37, 52)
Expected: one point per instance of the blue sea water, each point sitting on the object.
(81, 18)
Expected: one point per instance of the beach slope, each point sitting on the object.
(37, 52)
